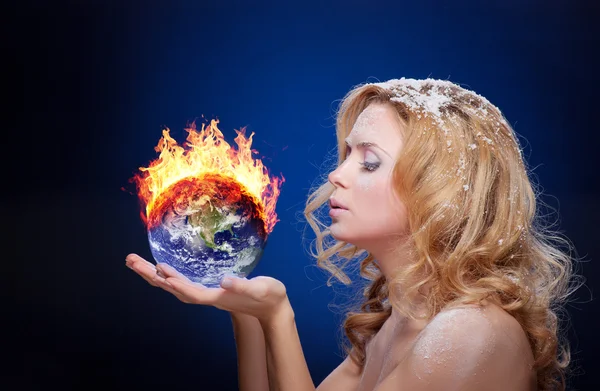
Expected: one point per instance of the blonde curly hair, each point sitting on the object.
(475, 229)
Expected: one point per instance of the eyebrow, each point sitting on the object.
(366, 144)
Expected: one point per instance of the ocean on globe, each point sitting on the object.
(207, 228)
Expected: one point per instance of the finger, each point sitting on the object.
(169, 271)
(146, 270)
(132, 259)
(153, 275)
(161, 282)
(135, 262)
(195, 293)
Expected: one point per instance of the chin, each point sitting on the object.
(339, 236)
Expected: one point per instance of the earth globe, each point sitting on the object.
(206, 228)
(208, 208)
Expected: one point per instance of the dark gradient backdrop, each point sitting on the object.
(90, 84)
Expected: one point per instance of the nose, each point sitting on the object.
(335, 177)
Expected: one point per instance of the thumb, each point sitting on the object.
(231, 282)
(241, 286)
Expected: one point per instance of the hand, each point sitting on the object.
(262, 297)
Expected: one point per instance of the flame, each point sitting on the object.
(206, 153)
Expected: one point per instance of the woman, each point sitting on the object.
(432, 192)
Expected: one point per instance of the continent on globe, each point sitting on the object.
(209, 220)
(207, 227)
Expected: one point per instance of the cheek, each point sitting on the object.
(373, 186)
(366, 182)
(378, 201)
(373, 194)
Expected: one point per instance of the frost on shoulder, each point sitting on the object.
(461, 348)
(456, 340)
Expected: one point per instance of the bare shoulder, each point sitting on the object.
(484, 327)
(470, 348)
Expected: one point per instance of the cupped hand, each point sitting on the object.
(262, 297)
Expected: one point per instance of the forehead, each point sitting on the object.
(377, 123)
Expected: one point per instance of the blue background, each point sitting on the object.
(91, 85)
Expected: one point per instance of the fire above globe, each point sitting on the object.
(208, 208)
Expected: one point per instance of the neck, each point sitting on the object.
(393, 259)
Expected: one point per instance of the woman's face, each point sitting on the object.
(371, 213)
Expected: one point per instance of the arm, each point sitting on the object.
(286, 365)
(261, 297)
(345, 377)
(251, 355)
(252, 363)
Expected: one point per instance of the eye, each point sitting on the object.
(369, 166)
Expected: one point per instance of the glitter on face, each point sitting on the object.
(449, 341)
(364, 126)
(364, 122)
(365, 182)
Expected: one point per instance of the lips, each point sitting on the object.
(335, 204)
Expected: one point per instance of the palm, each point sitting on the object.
(258, 297)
